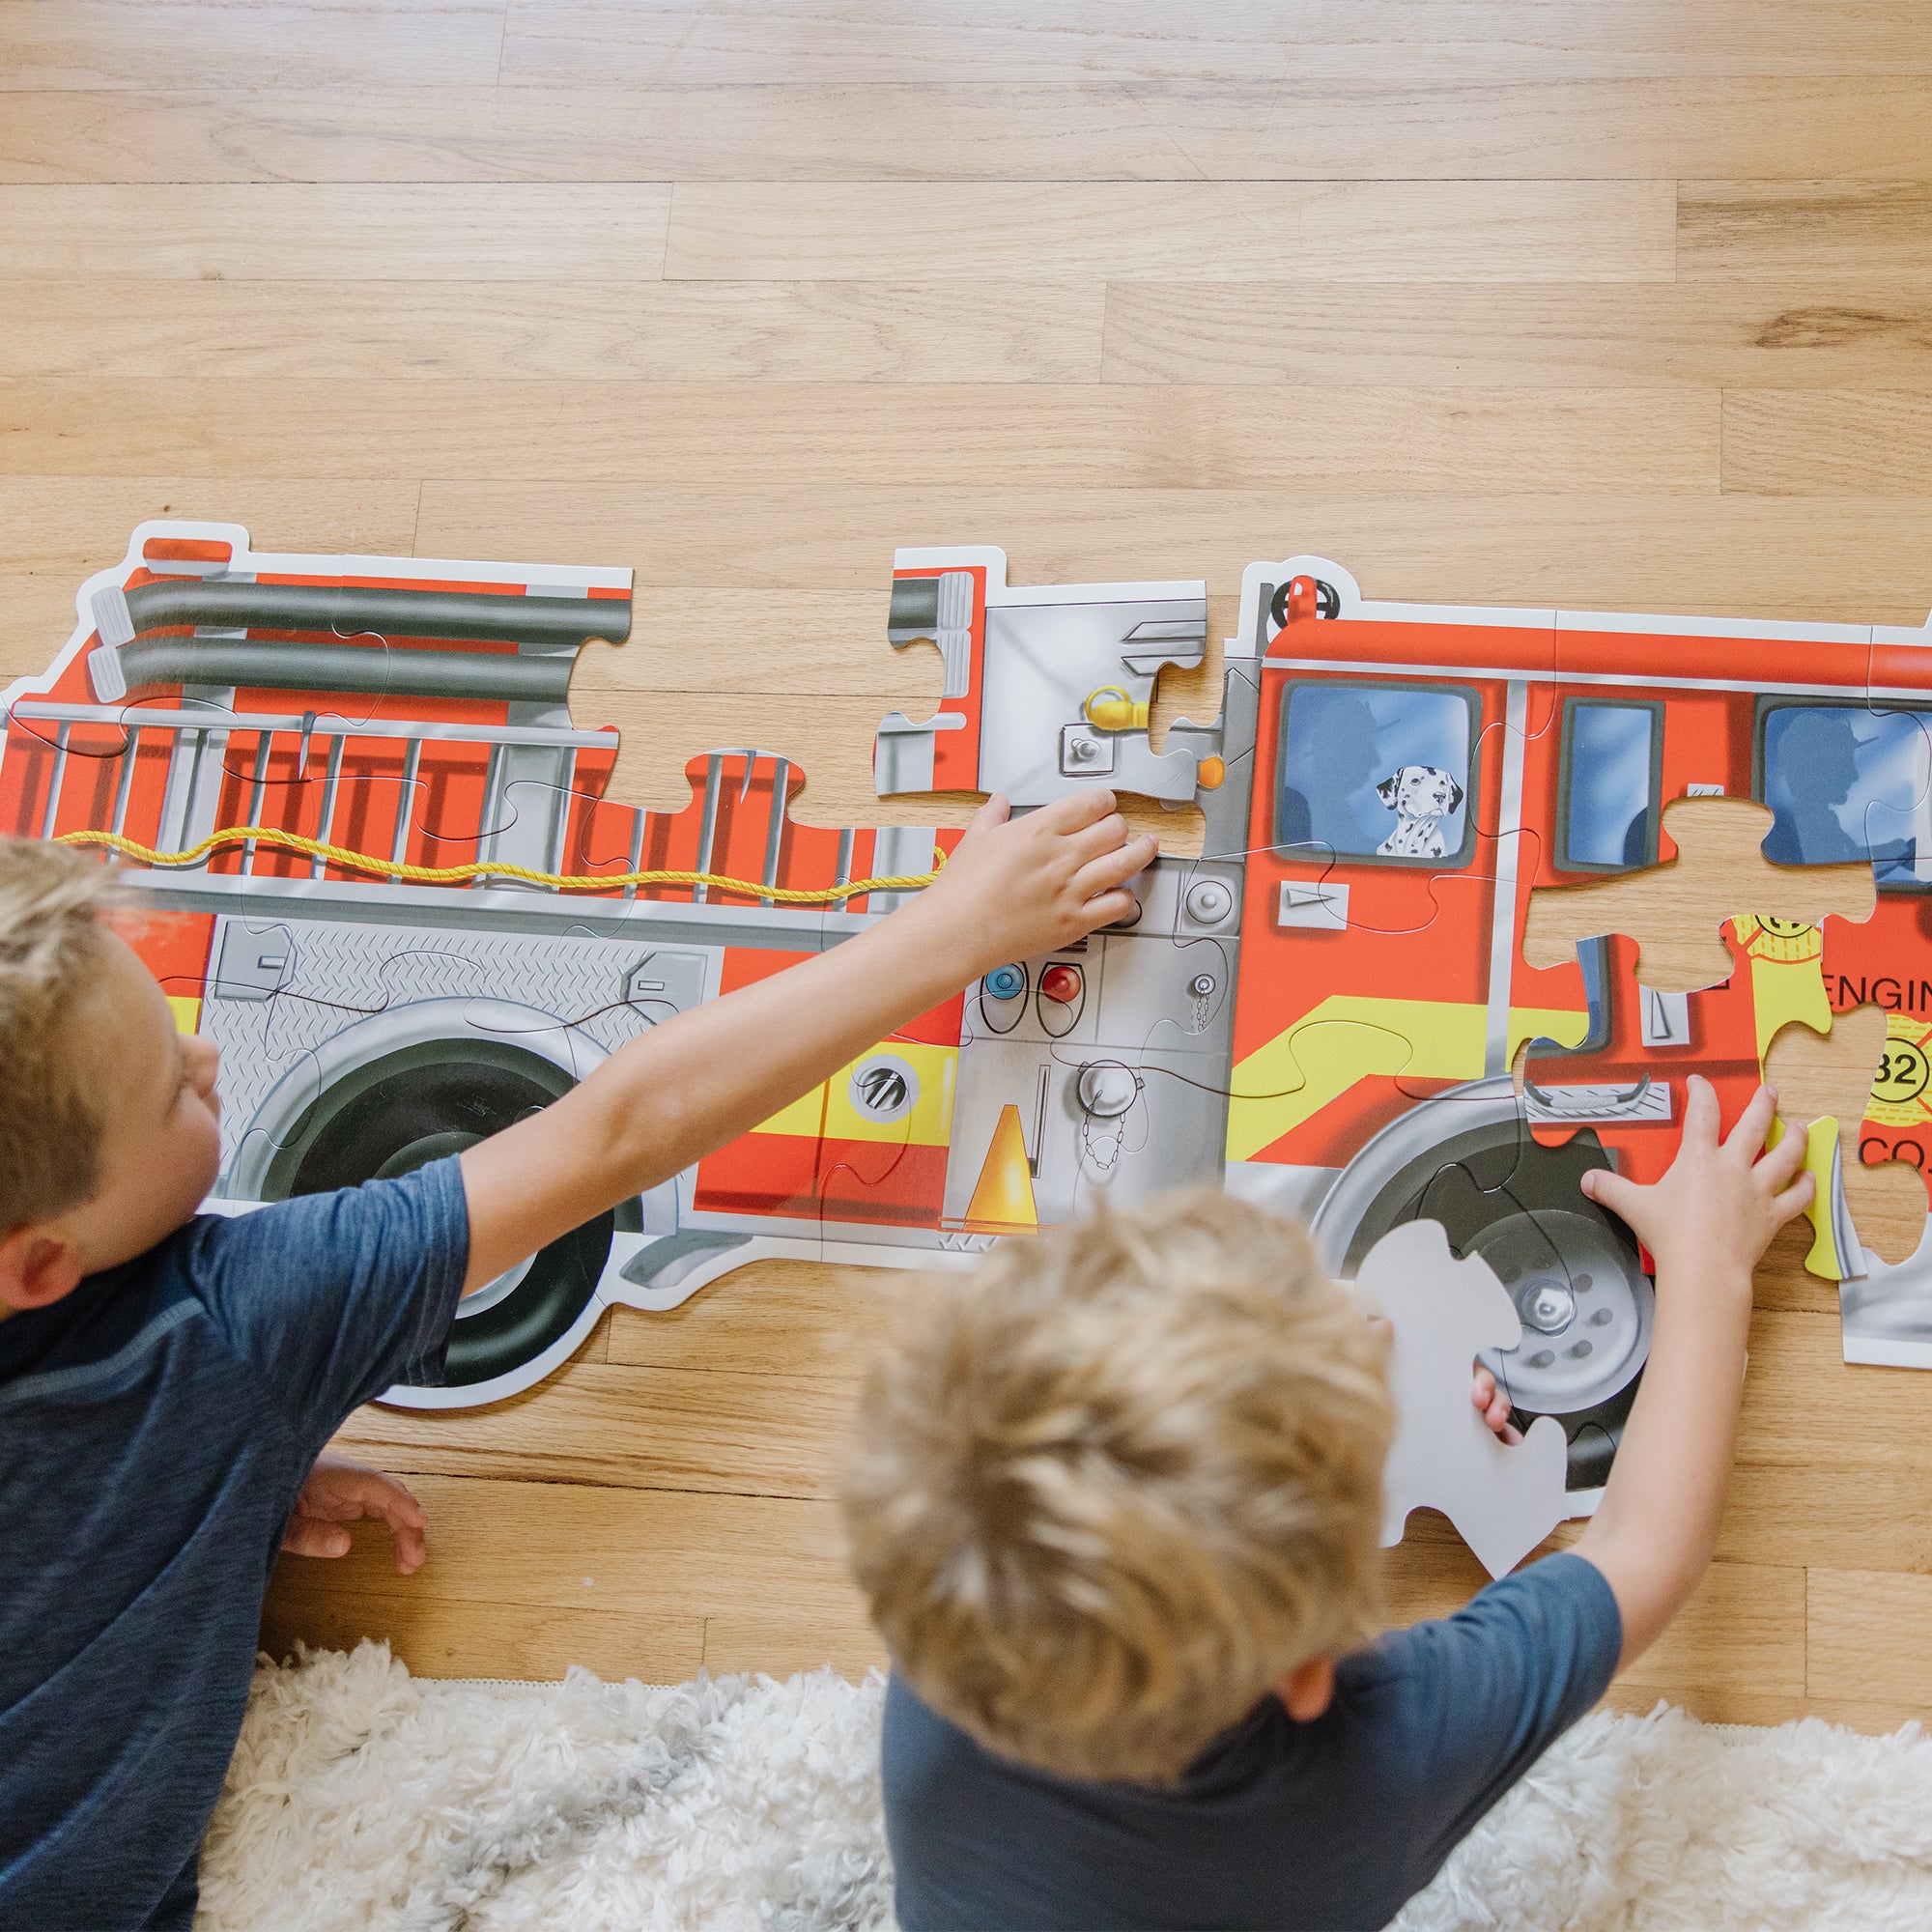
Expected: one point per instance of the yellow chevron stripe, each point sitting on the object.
(1350, 1035)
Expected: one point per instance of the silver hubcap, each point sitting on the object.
(1585, 1308)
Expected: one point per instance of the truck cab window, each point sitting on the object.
(1847, 782)
(1609, 785)
(1378, 771)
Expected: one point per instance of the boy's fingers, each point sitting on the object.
(1753, 1123)
(1113, 869)
(357, 1492)
(1700, 1110)
(1796, 1198)
(410, 1548)
(1107, 908)
(1786, 1157)
(1611, 1190)
(995, 811)
(1104, 835)
(309, 1536)
(1077, 810)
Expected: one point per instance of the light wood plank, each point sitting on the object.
(1870, 1636)
(1249, 231)
(835, 645)
(299, 232)
(1828, 443)
(502, 1548)
(1835, 559)
(147, 43)
(55, 531)
(1760, 335)
(769, 1640)
(1806, 1408)
(631, 1427)
(1411, 443)
(435, 1638)
(1798, 128)
(584, 331)
(619, 43)
(1842, 1516)
(831, 739)
(1803, 233)
(770, 1318)
(1743, 1630)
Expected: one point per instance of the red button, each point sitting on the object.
(1061, 983)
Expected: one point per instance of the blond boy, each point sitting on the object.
(168, 1379)
(1115, 1507)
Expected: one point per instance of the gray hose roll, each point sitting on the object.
(349, 610)
(502, 677)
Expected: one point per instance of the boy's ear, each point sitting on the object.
(1308, 1689)
(36, 1268)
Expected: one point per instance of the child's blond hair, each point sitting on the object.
(53, 1113)
(1122, 1478)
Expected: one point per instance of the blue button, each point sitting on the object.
(1006, 982)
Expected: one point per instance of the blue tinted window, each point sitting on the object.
(1846, 782)
(1376, 770)
(1609, 804)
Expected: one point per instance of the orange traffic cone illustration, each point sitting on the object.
(1003, 1201)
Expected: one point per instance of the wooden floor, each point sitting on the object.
(1517, 301)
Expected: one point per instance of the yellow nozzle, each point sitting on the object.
(1111, 709)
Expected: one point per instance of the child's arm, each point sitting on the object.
(1012, 889)
(1706, 1222)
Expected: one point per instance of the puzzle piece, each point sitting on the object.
(1447, 1312)
(1628, 1086)
(1046, 689)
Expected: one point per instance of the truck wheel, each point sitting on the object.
(1573, 1269)
(390, 1114)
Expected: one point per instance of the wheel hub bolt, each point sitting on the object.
(1548, 1307)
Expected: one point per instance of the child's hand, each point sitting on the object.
(1714, 1212)
(340, 1491)
(1017, 887)
(1493, 1407)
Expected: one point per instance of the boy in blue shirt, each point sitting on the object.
(1116, 1507)
(167, 1380)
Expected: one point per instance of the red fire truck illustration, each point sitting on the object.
(377, 864)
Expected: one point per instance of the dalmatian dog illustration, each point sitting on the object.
(1421, 797)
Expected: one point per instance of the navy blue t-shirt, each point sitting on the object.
(156, 1426)
(1326, 1827)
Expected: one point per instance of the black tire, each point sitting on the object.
(407, 1108)
(1492, 1175)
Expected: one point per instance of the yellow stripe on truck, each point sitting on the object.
(1349, 1037)
(827, 1111)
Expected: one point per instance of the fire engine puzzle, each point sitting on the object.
(377, 864)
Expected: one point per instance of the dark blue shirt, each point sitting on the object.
(1328, 1826)
(156, 1426)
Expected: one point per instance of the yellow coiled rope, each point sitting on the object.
(475, 868)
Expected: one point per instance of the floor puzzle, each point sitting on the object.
(377, 864)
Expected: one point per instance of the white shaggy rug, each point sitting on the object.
(362, 1798)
